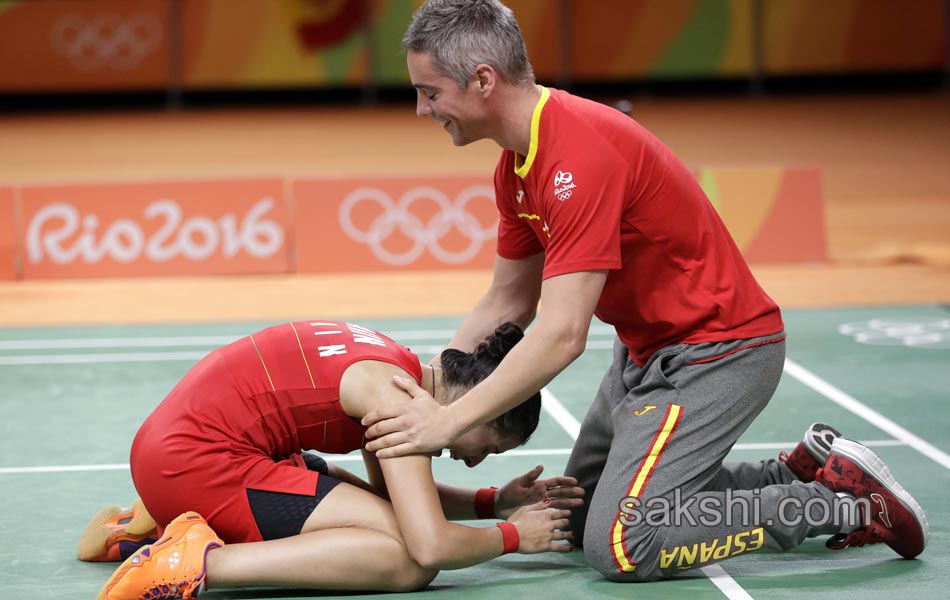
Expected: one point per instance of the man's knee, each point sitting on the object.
(617, 563)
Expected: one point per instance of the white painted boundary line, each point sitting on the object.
(356, 456)
(99, 358)
(726, 584)
(867, 413)
(121, 357)
(335, 458)
(208, 341)
(63, 469)
(131, 342)
(212, 340)
(164, 341)
(352, 457)
(559, 413)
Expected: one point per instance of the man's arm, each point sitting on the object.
(557, 337)
(513, 296)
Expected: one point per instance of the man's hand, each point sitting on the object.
(419, 426)
(528, 489)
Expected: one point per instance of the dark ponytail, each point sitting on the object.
(467, 369)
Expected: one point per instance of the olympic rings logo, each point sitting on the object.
(106, 41)
(932, 333)
(395, 216)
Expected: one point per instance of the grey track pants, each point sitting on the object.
(650, 455)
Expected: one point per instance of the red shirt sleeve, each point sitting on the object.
(583, 196)
(515, 239)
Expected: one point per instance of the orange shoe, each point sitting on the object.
(171, 568)
(115, 533)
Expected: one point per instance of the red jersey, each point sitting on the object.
(239, 418)
(278, 391)
(598, 191)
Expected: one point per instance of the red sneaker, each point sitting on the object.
(115, 533)
(173, 568)
(894, 518)
(812, 452)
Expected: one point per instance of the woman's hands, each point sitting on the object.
(528, 489)
(539, 508)
(540, 528)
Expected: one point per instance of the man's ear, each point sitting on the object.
(486, 78)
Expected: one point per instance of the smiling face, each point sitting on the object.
(459, 112)
(475, 445)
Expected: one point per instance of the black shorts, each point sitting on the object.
(279, 515)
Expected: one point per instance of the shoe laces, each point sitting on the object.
(171, 591)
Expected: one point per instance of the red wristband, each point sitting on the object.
(485, 503)
(509, 534)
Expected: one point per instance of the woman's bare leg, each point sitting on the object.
(335, 559)
(351, 541)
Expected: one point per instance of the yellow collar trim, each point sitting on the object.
(522, 171)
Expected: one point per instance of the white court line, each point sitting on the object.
(133, 342)
(63, 469)
(559, 413)
(74, 359)
(357, 456)
(121, 357)
(726, 584)
(210, 341)
(206, 340)
(867, 413)
(352, 457)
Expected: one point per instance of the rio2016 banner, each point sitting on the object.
(158, 228)
(242, 226)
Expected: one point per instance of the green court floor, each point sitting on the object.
(71, 399)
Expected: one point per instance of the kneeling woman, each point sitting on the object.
(226, 444)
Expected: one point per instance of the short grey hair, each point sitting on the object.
(459, 35)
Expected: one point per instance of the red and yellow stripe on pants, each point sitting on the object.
(639, 482)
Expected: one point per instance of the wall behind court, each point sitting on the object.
(54, 46)
(336, 225)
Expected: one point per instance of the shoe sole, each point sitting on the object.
(873, 465)
(819, 439)
(95, 537)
